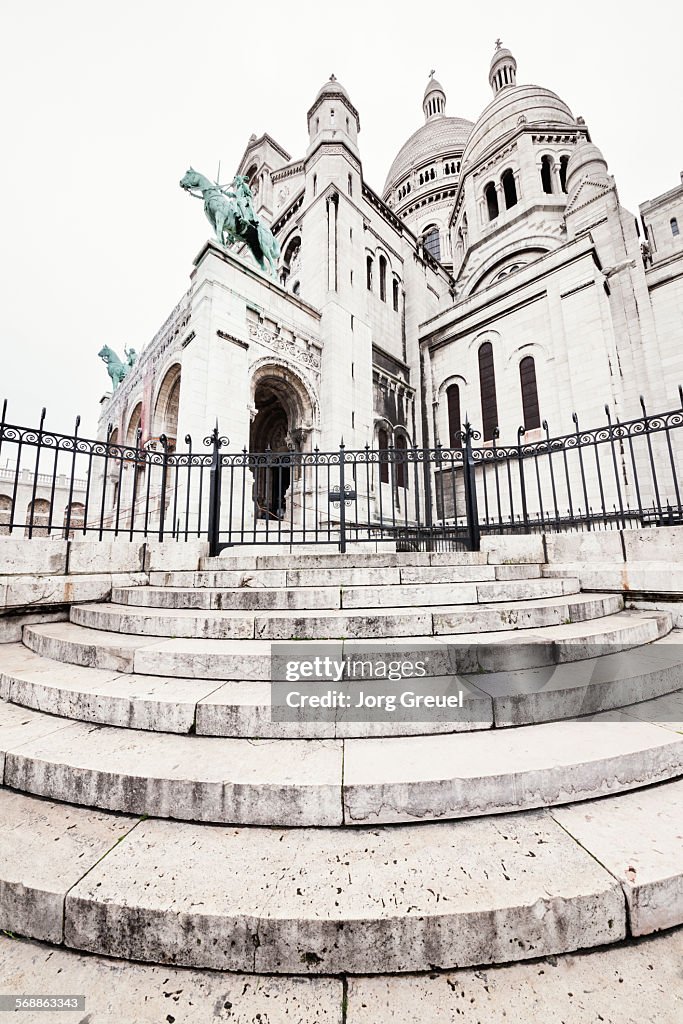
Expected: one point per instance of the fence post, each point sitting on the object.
(471, 508)
(163, 441)
(215, 473)
(342, 502)
(522, 483)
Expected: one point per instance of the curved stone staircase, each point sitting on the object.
(184, 827)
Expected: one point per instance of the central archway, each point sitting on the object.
(283, 412)
(270, 432)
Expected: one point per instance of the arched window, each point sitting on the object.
(564, 160)
(395, 294)
(38, 518)
(487, 387)
(454, 421)
(432, 243)
(315, 184)
(401, 456)
(527, 378)
(547, 174)
(382, 278)
(368, 272)
(383, 445)
(674, 227)
(349, 185)
(290, 259)
(491, 200)
(509, 189)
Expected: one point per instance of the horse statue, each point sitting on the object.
(231, 215)
(116, 369)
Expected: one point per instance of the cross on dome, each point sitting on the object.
(333, 78)
(432, 72)
(499, 43)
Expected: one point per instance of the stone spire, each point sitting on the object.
(503, 70)
(434, 102)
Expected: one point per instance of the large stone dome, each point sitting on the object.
(512, 106)
(438, 137)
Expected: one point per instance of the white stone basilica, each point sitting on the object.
(497, 276)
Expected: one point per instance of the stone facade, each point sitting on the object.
(496, 276)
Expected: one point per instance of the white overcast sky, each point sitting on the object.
(105, 105)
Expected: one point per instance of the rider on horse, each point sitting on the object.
(243, 200)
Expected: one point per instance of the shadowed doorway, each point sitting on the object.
(270, 433)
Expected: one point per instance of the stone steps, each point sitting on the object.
(243, 708)
(331, 559)
(410, 595)
(330, 782)
(366, 623)
(609, 984)
(348, 576)
(239, 660)
(359, 901)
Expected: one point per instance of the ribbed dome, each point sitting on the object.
(438, 137)
(502, 116)
(433, 86)
(502, 54)
(586, 161)
(332, 86)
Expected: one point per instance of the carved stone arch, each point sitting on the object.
(453, 378)
(382, 423)
(529, 348)
(134, 420)
(488, 334)
(166, 400)
(530, 250)
(282, 398)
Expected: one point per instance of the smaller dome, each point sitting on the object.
(433, 86)
(586, 161)
(334, 87)
(502, 54)
(512, 106)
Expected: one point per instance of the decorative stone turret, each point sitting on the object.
(434, 102)
(503, 71)
(333, 118)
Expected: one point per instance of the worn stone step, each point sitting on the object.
(344, 576)
(207, 707)
(306, 782)
(309, 901)
(235, 599)
(332, 624)
(413, 778)
(243, 708)
(251, 659)
(302, 559)
(328, 597)
(635, 578)
(574, 688)
(630, 982)
(194, 778)
(123, 991)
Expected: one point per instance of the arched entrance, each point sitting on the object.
(282, 419)
(270, 433)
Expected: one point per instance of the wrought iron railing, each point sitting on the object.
(609, 477)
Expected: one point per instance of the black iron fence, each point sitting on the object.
(617, 475)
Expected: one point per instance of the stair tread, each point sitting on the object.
(303, 781)
(176, 704)
(414, 897)
(609, 979)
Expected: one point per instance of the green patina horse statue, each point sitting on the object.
(117, 369)
(231, 215)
